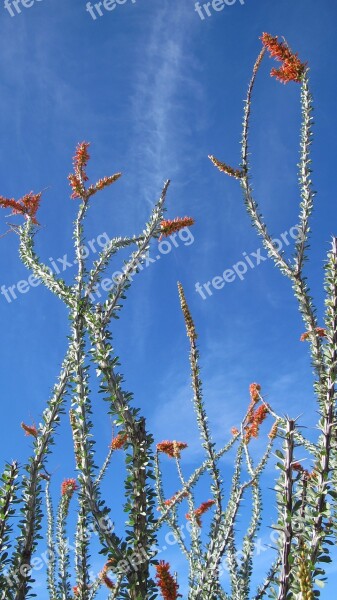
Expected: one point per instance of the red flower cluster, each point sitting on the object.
(255, 417)
(27, 205)
(81, 159)
(170, 501)
(296, 466)
(321, 332)
(77, 591)
(235, 431)
(79, 176)
(254, 390)
(254, 420)
(118, 441)
(104, 577)
(201, 510)
(102, 183)
(172, 449)
(108, 582)
(29, 429)
(292, 68)
(167, 584)
(76, 186)
(168, 227)
(68, 487)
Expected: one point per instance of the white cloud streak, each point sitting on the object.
(159, 108)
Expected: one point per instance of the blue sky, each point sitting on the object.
(156, 89)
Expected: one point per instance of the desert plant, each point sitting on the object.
(89, 343)
(305, 500)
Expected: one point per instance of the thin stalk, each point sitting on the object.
(51, 565)
(287, 533)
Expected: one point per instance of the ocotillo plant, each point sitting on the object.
(90, 343)
(305, 500)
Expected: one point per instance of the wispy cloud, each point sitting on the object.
(164, 84)
(160, 105)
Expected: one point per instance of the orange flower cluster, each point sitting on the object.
(254, 420)
(118, 441)
(77, 178)
(292, 68)
(81, 159)
(235, 431)
(76, 589)
(170, 226)
(296, 466)
(68, 487)
(108, 582)
(224, 168)
(201, 510)
(27, 205)
(170, 501)
(273, 432)
(104, 577)
(29, 429)
(167, 584)
(172, 449)
(321, 332)
(254, 390)
(102, 183)
(76, 186)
